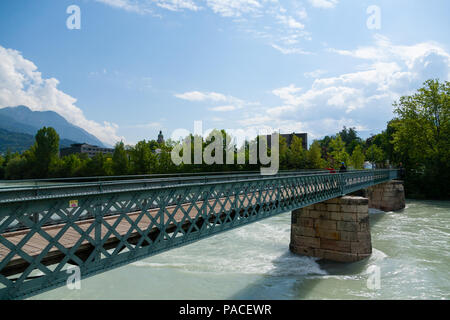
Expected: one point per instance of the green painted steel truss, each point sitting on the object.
(45, 232)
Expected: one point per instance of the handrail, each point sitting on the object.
(27, 193)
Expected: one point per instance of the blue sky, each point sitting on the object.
(137, 67)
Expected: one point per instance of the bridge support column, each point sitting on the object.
(337, 230)
(388, 196)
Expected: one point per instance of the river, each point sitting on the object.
(411, 250)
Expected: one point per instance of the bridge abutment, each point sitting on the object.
(388, 196)
(336, 229)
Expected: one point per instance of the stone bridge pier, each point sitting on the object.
(339, 229)
(388, 196)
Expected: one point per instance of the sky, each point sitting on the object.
(131, 68)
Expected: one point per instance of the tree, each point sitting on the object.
(357, 158)
(95, 166)
(375, 154)
(16, 168)
(296, 154)
(338, 153)
(140, 158)
(314, 156)
(44, 151)
(283, 152)
(2, 169)
(120, 162)
(384, 141)
(350, 138)
(66, 167)
(422, 138)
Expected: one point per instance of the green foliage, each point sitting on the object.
(141, 158)
(283, 152)
(296, 154)
(68, 166)
(350, 138)
(2, 168)
(95, 167)
(375, 154)
(338, 153)
(44, 151)
(422, 139)
(120, 162)
(16, 168)
(314, 157)
(357, 158)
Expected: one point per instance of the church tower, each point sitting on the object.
(160, 137)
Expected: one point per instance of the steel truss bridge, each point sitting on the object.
(100, 225)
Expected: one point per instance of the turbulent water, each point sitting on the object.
(410, 250)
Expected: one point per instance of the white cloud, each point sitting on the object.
(149, 125)
(284, 50)
(385, 50)
(315, 74)
(146, 6)
(301, 13)
(325, 4)
(288, 94)
(224, 108)
(362, 98)
(290, 22)
(218, 100)
(201, 96)
(233, 8)
(22, 84)
(198, 96)
(177, 5)
(265, 19)
(127, 5)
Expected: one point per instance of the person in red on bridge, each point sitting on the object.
(331, 170)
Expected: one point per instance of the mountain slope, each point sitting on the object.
(21, 119)
(16, 141)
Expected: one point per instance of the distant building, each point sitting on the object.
(288, 137)
(80, 148)
(160, 137)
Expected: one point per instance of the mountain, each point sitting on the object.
(21, 119)
(16, 141)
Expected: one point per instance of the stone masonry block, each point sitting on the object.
(305, 222)
(328, 234)
(361, 247)
(349, 208)
(343, 216)
(306, 242)
(336, 245)
(325, 224)
(352, 226)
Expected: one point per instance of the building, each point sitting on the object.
(160, 137)
(90, 150)
(288, 137)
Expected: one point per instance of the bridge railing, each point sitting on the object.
(44, 235)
